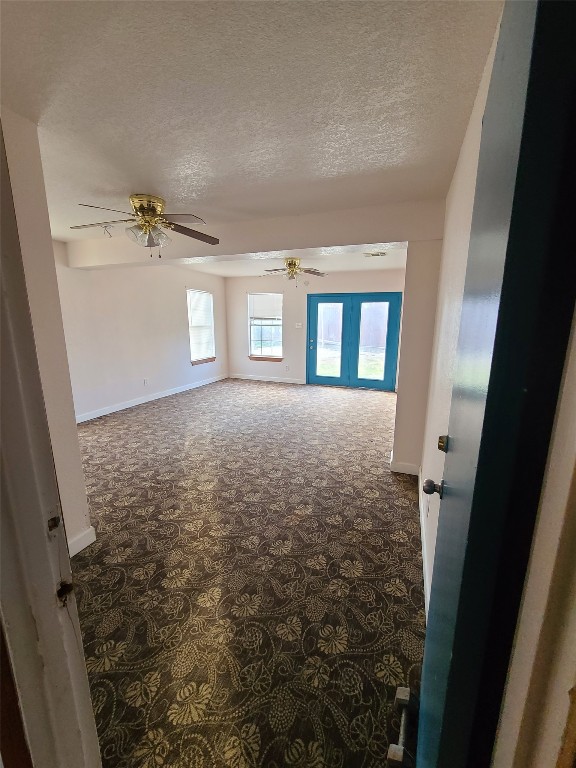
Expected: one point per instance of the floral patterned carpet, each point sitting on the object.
(254, 595)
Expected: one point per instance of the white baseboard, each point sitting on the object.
(274, 379)
(146, 399)
(81, 541)
(423, 506)
(407, 469)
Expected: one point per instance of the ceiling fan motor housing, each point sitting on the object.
(147, 205)
(148, 210)
(292, 267)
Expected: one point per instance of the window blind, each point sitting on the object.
(267, 305)
(200, 324)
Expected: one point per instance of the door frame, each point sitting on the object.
(43, 639)
(351, 303)
(30, 543)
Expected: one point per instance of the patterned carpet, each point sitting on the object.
(254, 595)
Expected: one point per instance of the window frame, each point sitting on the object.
(263, 357)
(211, 357)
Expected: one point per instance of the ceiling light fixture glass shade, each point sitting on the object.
(155, 238)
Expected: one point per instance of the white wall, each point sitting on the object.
(125, 325)
(293, 366)
(27, 181)
(419, 311)
(459, 204)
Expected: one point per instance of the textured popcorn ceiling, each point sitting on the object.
(242, 110)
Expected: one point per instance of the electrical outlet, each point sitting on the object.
(145, 382)
(287, 367)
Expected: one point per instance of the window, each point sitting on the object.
(201, 326)
(265, 314)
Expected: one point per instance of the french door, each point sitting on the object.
(353, 339)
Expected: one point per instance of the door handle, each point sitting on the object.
(430, 487)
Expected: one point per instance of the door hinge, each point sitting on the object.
(65, 589)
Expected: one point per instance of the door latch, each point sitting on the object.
(443, 441)
(54, 522)
(65, 589)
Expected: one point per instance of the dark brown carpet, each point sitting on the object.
(254, 595)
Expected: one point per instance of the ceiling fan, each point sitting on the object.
(292, 269)
(148, 219)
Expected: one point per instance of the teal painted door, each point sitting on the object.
(515, 324)
(353, 339)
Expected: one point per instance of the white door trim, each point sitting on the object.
(42, 635)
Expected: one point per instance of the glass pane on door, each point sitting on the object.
(329, 339)
(373, 330)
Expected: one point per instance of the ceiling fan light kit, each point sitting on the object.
(148, 220)
(153, 238)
